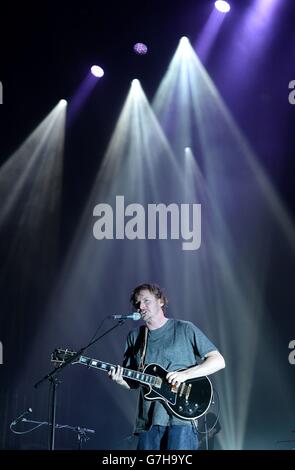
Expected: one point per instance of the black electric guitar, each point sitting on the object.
(188, 400)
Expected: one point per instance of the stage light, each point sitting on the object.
(222, 6)
(63, 102)
(135, 86)
(135, 82)
(184, 40)
(140, 48)
(97, 71)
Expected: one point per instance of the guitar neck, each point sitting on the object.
(127, 373)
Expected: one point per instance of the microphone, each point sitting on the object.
(20, 417)
(129, 316)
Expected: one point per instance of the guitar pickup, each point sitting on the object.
(189, 387)
(182, 388)
(158, 382)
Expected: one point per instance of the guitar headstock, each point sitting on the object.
(60, 355)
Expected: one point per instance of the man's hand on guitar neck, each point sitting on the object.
(116, 375)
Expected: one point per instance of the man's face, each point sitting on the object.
(148, 305)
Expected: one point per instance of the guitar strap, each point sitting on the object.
(143, 349)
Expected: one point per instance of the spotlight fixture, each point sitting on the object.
(135, 82)
(63, 102)
(222, 6)
(97, 71)
(140, 48)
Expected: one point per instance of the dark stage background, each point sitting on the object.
(57, 283)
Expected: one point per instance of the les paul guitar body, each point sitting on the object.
(189, 400)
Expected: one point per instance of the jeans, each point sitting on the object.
(175, 437)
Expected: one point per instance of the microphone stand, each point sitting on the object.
(81, 432)
(54, 382)
(82, 437)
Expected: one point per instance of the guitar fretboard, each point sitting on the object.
(127, 373)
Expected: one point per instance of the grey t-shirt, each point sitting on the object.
(176, 345)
